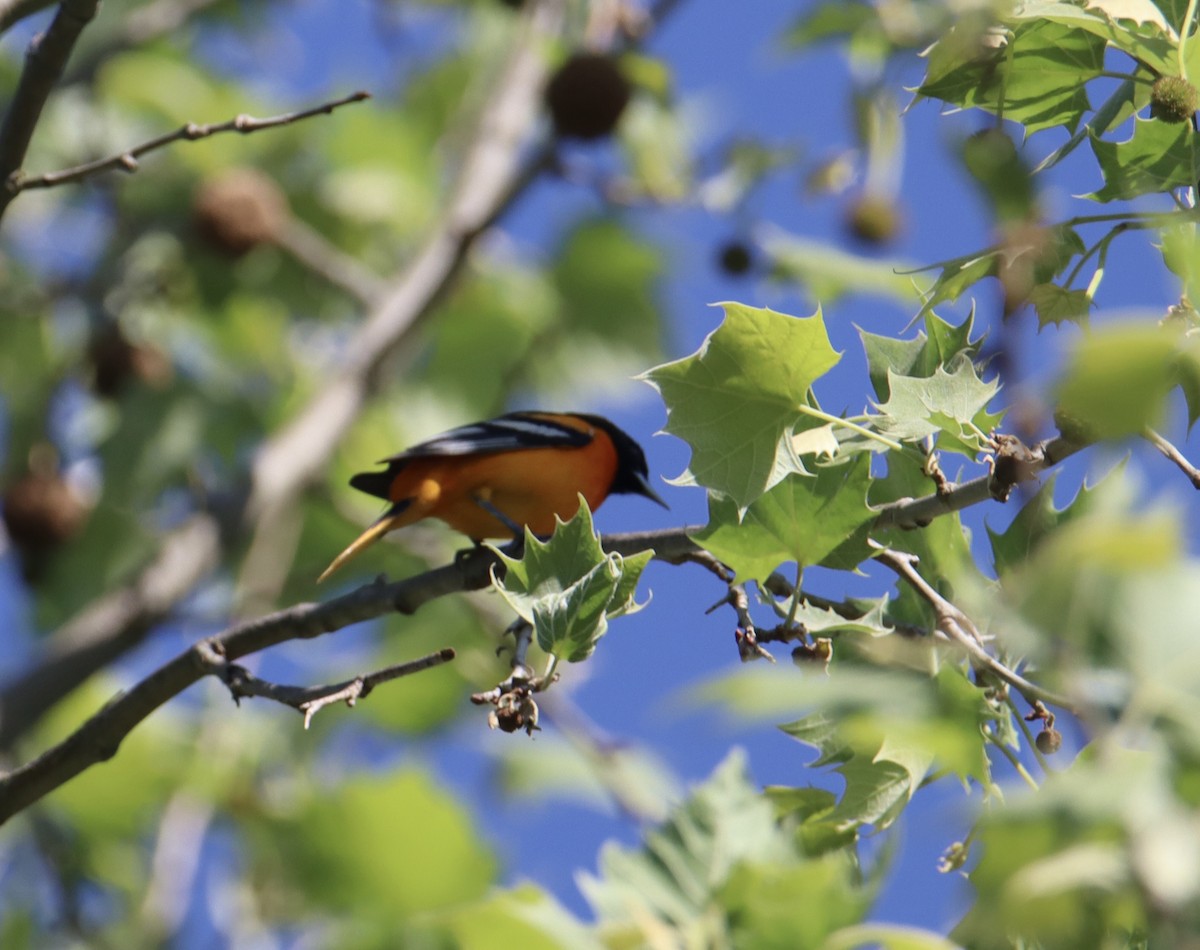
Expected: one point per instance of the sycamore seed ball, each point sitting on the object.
(586, 96)
(1049, 741)
(1173, 99)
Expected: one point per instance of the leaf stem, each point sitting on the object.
(852, 426)
(1185, 30)
(1012, 758)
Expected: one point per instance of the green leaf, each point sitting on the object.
(1117, 380)
(1046, 251)
(1037, 520)
(1055, 305)
(734, 401)
(1036, 78)
(1135, 28)
(887, 937)
(524, 916)
(945, 404)
(828, 273)
(351, 848)
(938, 345)
(720, 872)
(1158, 156)
(802, 519)
(829, 21)
(568, 587)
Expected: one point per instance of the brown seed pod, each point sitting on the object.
(873, 219)
(1049, 741)
(239, 209)
(41, 511)
(586, 96)
(735, 258)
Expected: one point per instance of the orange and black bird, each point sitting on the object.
(491, 479)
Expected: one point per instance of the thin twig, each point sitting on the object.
(109, 626)
(100, 736)
(44, 64)
(321, 256)
(745, 634)
(14, 11)
(1012, 759)
(959, 628)
(310, 700)
(1170, 451)
(918, 512)
(127, 161)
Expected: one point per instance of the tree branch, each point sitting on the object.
(311, 699)
(960, 629)
(1171, 452)
(110, 626)
(99, 737)
(127, 161)
(1014, 464)
(44, 63)
(14, 11)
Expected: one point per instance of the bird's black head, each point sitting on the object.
(633, 475)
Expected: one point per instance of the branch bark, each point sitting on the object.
(99, 737)
(127, 161)
(44, 64)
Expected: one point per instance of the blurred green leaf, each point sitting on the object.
(828, 273)
(887, 937)
(1037, 520)
(734, 400)
(1117, 379)
(717, 872)
(384, 846)
(523, 916)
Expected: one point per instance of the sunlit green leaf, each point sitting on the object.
(734, 401)
(1157, 157)
(1035, 76)
(802, 519)
(944, 404)
(568, 587)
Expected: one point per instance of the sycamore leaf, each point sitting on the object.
(1136, 27)
(1035, 77)
(887, 937)
(820, 621)
(938, 345)
(734, 401)
(1049, 250)
(1158, 156)
(1036, 520)
(1117, 380)
(944, 404)
(828, 273)
(1054, 304)
(720, 871)
(802, 519)
(568, 587)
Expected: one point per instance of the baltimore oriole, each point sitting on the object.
(491, 479)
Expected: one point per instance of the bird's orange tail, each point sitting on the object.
(393, 518)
